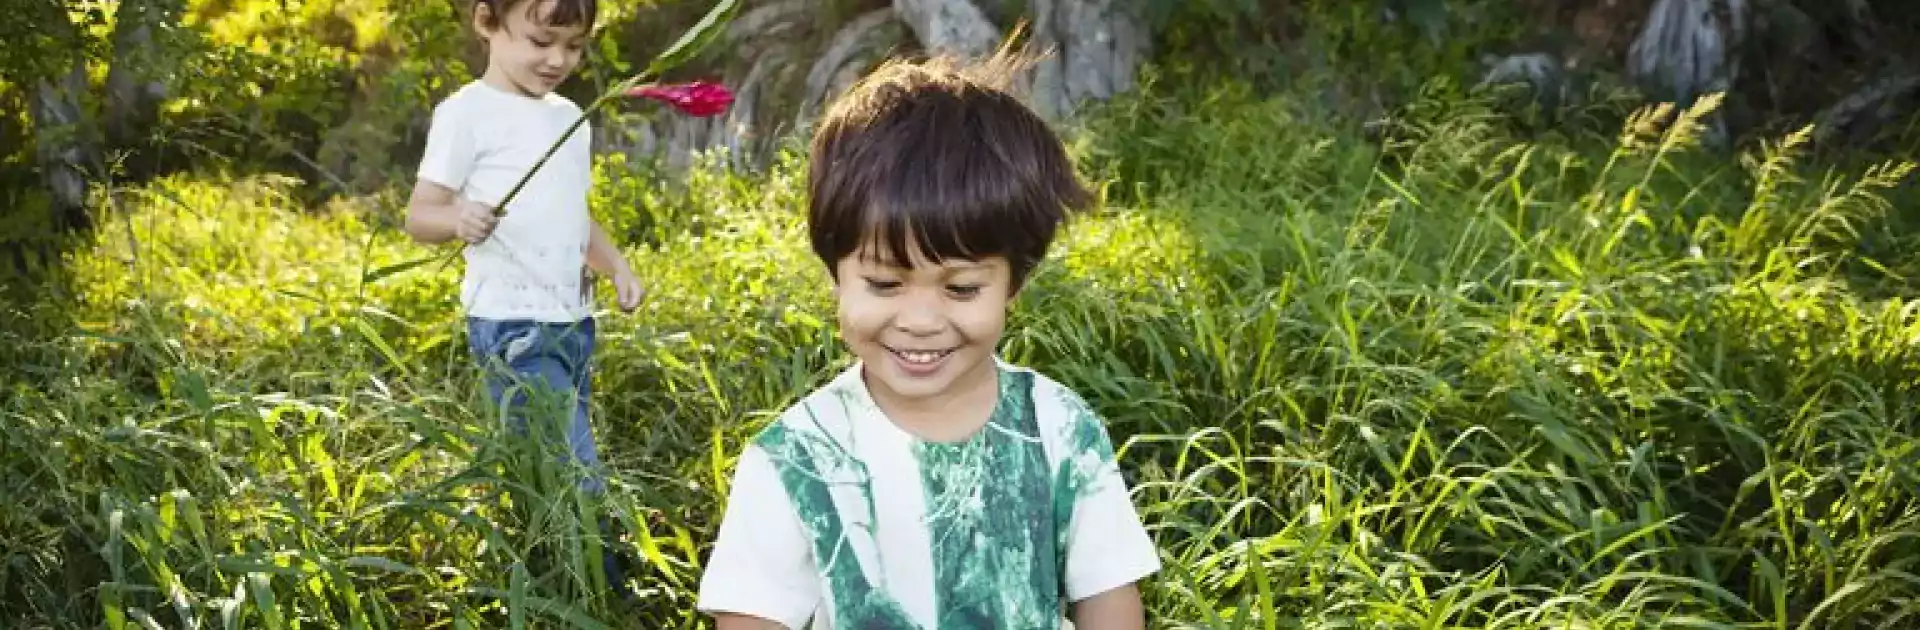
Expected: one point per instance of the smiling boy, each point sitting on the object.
(931, 485)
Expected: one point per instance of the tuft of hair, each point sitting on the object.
(939, 155)
(582, 13)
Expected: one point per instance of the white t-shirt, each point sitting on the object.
(838, 516)
(483, 140)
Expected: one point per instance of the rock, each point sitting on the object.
(954, 27)
(768, 26)
(1096, 48)
(856, 48)
(1544, 73)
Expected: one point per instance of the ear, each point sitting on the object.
(483, 18)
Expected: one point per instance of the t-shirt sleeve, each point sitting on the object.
(449, 155)
(1107, 546)
(761, 563)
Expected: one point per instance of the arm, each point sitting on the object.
(1116, 609)
(728, 621)
(435, 214)
(1108, 549)
(760, 574)
(602, 256)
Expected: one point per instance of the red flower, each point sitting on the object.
(698, 98)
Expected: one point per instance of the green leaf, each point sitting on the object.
(386, 351)
(396, 268)
(383, 564)
(695, 39)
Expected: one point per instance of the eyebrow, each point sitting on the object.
(886, 258)
(952, 267)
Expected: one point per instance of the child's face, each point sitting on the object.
(926, 333)
(529, 55)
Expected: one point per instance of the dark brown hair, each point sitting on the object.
(580, 13)
(940, 152)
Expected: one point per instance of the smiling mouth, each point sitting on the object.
(920, 357)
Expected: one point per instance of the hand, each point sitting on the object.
(475, 221)
(627, 287)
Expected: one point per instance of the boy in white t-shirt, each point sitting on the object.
(931, 485)
(526, 292)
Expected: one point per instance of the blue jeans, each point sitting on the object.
(548, 365)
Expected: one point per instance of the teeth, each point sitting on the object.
(920, 356)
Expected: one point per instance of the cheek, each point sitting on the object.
(982, 323)
(861, 316)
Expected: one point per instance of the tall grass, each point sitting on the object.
(1456, 381)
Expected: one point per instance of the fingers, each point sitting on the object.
(630, 293)
(477, 227)
(629, 298)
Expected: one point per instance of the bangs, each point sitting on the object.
(564, 12)
(893, 238)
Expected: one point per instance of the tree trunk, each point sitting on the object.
(63, 144)
(63, 147)
(786, 67)
(848, 57)
(1870, 103)
(954, 27)
(1689, 48)
(1096, 48)
(53, 79)
(135, 88)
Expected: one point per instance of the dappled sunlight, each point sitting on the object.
(1372, 356)
(239, 263)
(1127, 255)
(1420, 381)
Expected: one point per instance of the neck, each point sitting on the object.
(498, 80)
(933, 418)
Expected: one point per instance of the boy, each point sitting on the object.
(526, 292)
(931, 485)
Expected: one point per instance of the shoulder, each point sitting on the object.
(1055, 404)
(462, 101)
(466, 108)
(562, 104)
(563, 109)
(1048, 390)
(823, 415)
(1069, 426)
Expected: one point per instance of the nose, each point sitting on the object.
(920, 314)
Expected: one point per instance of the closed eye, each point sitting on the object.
(964, 290)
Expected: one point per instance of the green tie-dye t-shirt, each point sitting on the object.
(838, 516)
